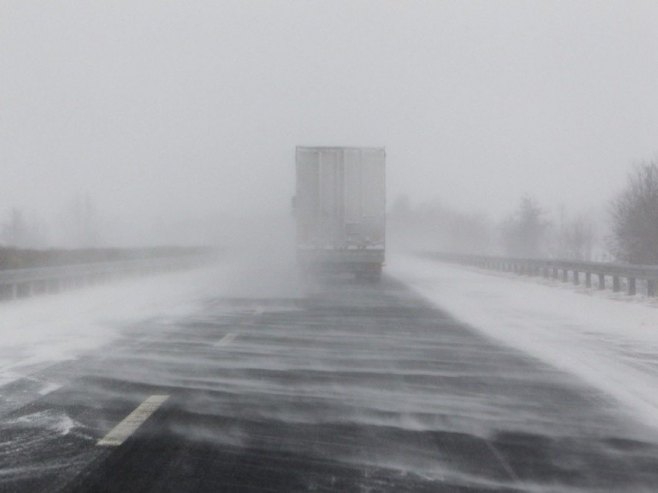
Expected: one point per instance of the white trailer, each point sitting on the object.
(340, 207)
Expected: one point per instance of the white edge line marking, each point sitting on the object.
(134, 420)
(226, 340)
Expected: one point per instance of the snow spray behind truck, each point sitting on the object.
(340, 209)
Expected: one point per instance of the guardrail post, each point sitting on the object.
(23, 283)
(631, 286)
(547, 268)
(616, 284)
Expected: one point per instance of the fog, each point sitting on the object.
(174, 117)
(135, 135)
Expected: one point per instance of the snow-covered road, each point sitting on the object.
(43, 330)
(609, 341)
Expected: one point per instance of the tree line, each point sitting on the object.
(626, 232)
(77, 224)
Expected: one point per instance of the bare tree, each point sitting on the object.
(578, 239)
(635, 217)
(524, 231)
(22, 231)
(15, 229)
(79, 223)
(574, 238)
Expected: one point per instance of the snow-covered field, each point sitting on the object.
(609, 341)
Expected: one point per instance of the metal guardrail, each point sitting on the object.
(20, 283)
(611, 275)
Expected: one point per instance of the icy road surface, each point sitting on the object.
(241, 380)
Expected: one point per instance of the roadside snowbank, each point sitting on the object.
(39, 331)
(611, 344)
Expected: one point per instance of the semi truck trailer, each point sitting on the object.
(340, 210)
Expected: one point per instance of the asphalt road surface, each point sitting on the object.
(350, 388)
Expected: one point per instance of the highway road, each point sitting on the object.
(347, 388)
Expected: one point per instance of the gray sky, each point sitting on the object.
(156, 107)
